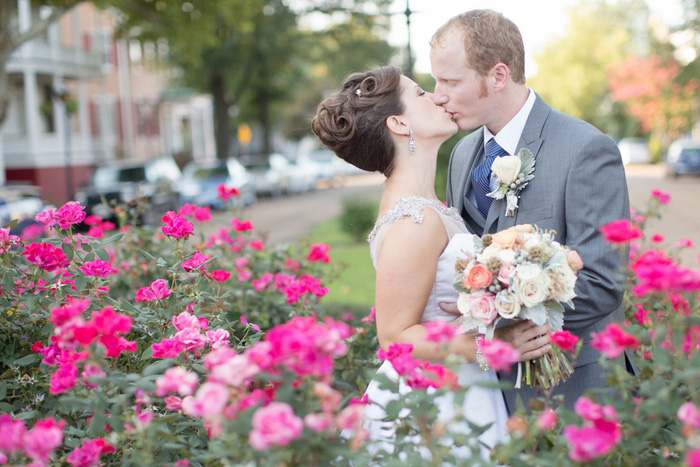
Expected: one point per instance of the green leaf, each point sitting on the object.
(158, 367)
(102, 254)
(114, 238)
(27, 360)
(87, 247)
(3, 390)
(147, 254)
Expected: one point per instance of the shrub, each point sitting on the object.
(358, 217)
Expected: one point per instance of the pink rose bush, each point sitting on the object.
(223, 347)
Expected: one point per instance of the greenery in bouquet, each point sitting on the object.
(520, 273)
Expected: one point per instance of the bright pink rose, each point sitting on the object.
(88, 454)
(226, 193)
(186, 210)
(319, 253)
(69, 214)
(371, 317)
(482, 306)
(499, 355)
(173, 403)
(657, 238)
(47, 217)
(91, 370)
(44, 437)
(167, 348)
(274, 425)
(400, 356)
(620, 232)
(63, 379)
(692, 458)
(245, 322)
(241, 226)
(661, 197)
(256, 245)
(98, 268)
(45, 256)
(176, 379)
(546, 420)
(209, 401)
(265, 279)
(179, 227)
(160, 289)
(440, 331)
(202, 214)
(318, 422)
(63, 314)
(11, 434)
(220, 275)
(587, 442)
(7, 240)
(108, 322)
(612, 341)
(195, 262)
(564, 340)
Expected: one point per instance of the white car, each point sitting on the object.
(634, 151)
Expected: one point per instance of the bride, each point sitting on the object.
(382, 121)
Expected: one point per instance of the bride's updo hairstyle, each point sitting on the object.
(352, 121)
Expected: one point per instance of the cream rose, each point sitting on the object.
(506, 168)
(507, 305)
(534, 291)
(563, 280)
(527, 271)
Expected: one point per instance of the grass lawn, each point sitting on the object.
(355, 285)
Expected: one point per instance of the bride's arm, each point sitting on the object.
(406, 270)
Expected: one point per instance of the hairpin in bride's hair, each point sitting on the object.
(358, 92)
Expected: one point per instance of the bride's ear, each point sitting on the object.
(397, 125)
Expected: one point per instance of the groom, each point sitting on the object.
(477, 60)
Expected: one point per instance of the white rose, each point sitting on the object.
(489, 252)
(507, 305)
(563, 280)
(527, 271)
(533, 291)
(506, 168)
(463, 304)
(506, 256)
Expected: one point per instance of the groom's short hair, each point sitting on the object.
(489, 38)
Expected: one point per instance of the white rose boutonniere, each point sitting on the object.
(513, 174)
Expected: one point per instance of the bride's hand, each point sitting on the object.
(531, 340)
(450, 307)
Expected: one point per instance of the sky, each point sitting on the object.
(539, 22)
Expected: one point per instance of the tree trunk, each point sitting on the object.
(4, 89)
(264, 112)
(222, 129)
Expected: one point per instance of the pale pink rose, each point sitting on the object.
(209, 401)
(440, 331)
(7, 240)
(274, 425)
(689, 414)
(330, 398)
(482, 307)
(160, 289)
(574, 260)
(176, 379)
(47, 217)
(173, 403)
(613, 340)
(218, 357)
(235, 371)
(191, 338)
(318, 421)
(351, 417)
(91, 370)
(185, 320)
(546, 420)
(499, 355)
(218, 338)
(587, 409)
(241, 262)
(145, 418)
(506, 272)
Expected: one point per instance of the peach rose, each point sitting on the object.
(505, 238)
(575, 261)
(523, 228)
(477, 278)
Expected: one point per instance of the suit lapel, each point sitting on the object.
(465, 176)
(530, 139)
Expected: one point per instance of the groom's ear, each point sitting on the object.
(500, 73)
(397, 125)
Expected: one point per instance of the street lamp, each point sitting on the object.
(409, 58)
(63, 94)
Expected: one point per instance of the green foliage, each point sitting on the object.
(358, 217)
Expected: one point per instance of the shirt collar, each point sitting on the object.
(509, 136)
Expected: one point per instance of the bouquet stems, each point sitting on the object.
(548, 370)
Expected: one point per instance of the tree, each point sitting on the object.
(11, 38)
(650, 91)
(571, 70)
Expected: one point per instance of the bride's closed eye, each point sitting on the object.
(421, 93)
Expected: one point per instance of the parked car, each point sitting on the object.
(131, 183)
(201, 179)
(22, 203)
(272, 175)
(683, 157)
(634, 151)
(303, 175)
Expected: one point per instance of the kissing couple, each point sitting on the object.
(380, 120)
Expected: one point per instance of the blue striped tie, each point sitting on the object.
(481, 176)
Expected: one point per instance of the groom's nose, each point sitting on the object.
(438, 97)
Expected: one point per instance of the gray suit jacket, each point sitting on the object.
(579, 185)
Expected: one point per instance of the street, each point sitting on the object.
(287, 218)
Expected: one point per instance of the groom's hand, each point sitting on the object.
(531, 340)
(450, 307)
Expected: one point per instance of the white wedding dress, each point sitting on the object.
(481, 406)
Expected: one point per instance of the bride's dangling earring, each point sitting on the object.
(411, 142)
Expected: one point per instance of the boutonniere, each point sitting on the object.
(513, 174)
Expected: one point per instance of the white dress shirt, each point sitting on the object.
(508, 137)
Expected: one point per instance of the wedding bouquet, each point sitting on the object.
(517, 274)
